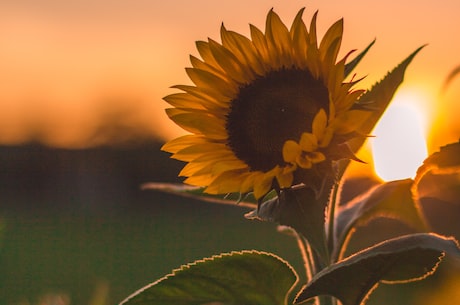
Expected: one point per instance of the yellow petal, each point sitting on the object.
(229, 63)
(286, 176)
(319, 123)
(316, 157)
(248, 182)
(212, 83)
(193, 152)
(199, 64)
(279, 39)
(203, 180)
(184, 101)
(260, 43)
(328, 61)
(227, 182)
(182, 142)
(243, 49)
(199, 123)
(228, 165)
(304, 162)
(327, 137)
(313, 39)
(290, 151)
(191, 168)
(350, 121)
(209, 99)
(308, 142)
(299, 36)
(263, 184)
(206, 55)
(331, 40)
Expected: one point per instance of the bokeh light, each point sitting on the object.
(399, 146)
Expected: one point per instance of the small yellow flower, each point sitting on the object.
(264, 111)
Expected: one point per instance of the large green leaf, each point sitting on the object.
(245, 278)
(379, 97)
(403, 259)
(392, 200)
(377, 100)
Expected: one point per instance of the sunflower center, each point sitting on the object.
(271, 109)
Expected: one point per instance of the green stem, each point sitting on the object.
(307, 256)
(331, 217)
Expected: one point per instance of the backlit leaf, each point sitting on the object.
(245, 278)
(399, 260)
(189, 191)
(392, 200)
(445, 161)
(439, 176)
(377, 99)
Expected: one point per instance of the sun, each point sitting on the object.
(399, 146)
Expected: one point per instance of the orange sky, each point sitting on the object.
(63, 62)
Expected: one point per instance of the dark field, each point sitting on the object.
(75, 219)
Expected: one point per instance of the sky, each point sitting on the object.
(83, 73)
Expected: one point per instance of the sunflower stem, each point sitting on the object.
(307, 256)
(331, 218)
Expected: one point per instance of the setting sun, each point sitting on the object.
(399, 146)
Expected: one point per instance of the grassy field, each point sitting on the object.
(74, 221)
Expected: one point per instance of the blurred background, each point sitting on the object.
(82, 122)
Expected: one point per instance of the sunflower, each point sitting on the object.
(266, 112)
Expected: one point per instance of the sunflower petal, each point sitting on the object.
(308, 142)
(319, 124)
(201, 65)
(209, 98)
(263, 184)
(229, 63)
(278, 38)
(192, 152)
(299, 36)
(227, 182)
(243, 49)
(211, 82)
(192, 168)
(350, 121)
(182, 142)
(304, 162)
(332, 40)
(316, 157)
(202, 180)
(285, 176)
(290, 151)
(206, 55)
(313, 38)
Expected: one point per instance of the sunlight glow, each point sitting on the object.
(399, 146)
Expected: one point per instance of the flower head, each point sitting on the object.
(267, 112)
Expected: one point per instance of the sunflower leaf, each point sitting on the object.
(300, 210)
(379, 97)
(402, 259)
(247, 277)
(439, 176)
(353, 63)
(445, 161)
(392, 200)
(198, 193)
